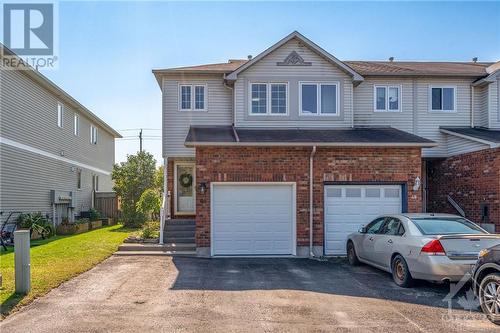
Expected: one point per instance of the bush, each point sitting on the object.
(150, 230)
(82, 221)
(149, 203)
(94, 214)
(36, 221)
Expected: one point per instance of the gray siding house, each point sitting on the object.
(54, 153)
(288, 152)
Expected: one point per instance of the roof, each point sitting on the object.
(350, 137)
(226, 67)
(424, 68)
(61, 94)
(316, 48)
(484, 135)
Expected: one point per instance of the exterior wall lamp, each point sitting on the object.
(417, 184)
(202, 188)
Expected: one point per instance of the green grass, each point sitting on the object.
(56, 260)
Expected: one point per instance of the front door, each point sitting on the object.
(185, 188)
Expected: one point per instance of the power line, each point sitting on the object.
(139, 129)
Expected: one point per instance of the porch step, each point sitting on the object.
(171, 248)
(179, 227)
(179, 233)
(184, 239)
(180, 222)
(155, 253)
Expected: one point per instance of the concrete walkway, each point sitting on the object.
(164, 294)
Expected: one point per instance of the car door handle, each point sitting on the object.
(389, 241)
(371, 238)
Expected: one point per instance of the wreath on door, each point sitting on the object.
(186, 180)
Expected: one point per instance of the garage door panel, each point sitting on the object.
(252, 219)
(348, 207)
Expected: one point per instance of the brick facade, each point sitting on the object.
(259, 164)
(471, 180)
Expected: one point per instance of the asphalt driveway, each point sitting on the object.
(163, 294)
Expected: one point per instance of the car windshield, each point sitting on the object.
(446, 226)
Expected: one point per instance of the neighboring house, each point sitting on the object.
(54, 153)
(290, 151)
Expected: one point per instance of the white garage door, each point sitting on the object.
(348, 207)
(250, 219)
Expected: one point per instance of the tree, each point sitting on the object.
(159, 179)
(131, 179)
(150, 203)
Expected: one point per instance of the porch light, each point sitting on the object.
(202, 188)
(417, 184)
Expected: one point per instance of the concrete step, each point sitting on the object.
(180, 222)
(137, 247)
(168, 239)
(179, 227)
(179, 233)
(156, 253)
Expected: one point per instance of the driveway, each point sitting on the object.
(163, 294)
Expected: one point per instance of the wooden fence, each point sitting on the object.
(107, 203)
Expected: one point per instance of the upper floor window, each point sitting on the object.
(76, 124)
(387, 98)
(192, 97)
(60, 115)
(93, 134)
(319, 99)
(442, 98)
(269, 98)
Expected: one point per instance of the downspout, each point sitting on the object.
(311, 204)
(232, 99)
(164, 211)
(472, 106)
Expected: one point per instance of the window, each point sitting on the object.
(260, 102)
(319, 99)
(442, 99)
(60, 115)
(393, 227)
(446, 226)
(76, 124)
(387, 98)
(79, 179)
(93, 134)
(375, 226)
(192, 97)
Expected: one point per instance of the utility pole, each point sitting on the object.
(140, 141)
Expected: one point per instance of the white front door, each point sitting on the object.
(253, 219)
(185, 191)
(349, 207)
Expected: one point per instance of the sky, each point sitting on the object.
(108, 49)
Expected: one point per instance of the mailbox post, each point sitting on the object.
(22, 261)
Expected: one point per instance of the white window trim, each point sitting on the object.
(387, 86)
(76, 124)
(79, 179)
(318, 99)
(60, 117)
(193, 97)
(454, 98)
(268, 99)
(92, 129)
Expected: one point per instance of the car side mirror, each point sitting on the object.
(362, 230)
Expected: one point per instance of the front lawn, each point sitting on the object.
(56, 260)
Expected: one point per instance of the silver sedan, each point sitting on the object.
(434, 247)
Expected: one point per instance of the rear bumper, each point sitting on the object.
(440, 268)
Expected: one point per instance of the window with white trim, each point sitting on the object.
(193, 97)
(76, 124)
(269, 98)
(442, 99)
(60, 115)
(319, 99)
(79, 179)
(387, 98)
(93, 134)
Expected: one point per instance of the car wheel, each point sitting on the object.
(352, 257)
(489, 297)
(400, 272)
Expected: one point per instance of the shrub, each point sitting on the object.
(94, 214)
(150, 230)
(149, 203)
(36, 221)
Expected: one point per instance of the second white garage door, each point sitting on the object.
(348, 207)
(253, 219)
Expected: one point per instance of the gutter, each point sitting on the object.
(190, 144)
(311, 204)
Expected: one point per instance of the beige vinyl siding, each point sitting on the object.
(364, 107)
(428, 122)
(494, 103)
(29, 116)
(176, 123)
(27, 178)
(481, 106)
(457, 145)
(267, 70)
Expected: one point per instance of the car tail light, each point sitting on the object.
(434, 247)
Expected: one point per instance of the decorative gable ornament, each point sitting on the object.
(294, 59)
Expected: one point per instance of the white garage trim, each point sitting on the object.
(293, 207)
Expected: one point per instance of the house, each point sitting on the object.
(54, 153)
(290, 151)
